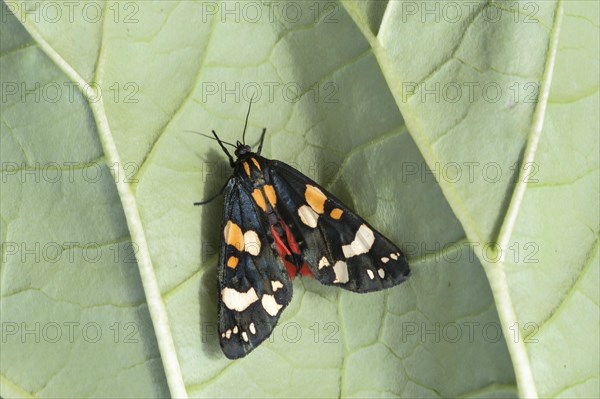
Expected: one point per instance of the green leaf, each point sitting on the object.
(330, 100)
(540, 221)
(74, 316)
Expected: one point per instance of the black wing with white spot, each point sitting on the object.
(254, 286)
(339, 247)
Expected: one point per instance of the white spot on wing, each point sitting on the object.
(394, 256)
(270, 304)
(385, 259)
(370, 273)
(381, 273)
(308, 216)
(252, 328)
(228, 334)
(236, 300)
(323, 262)
(363, 241)
(276, 285)
(251, 243)
(341, 272)
(235, 330)
(245, 336)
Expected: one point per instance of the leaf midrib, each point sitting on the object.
(156, 306)
(495, 271)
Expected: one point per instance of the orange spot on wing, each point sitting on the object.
(336, 213)
(315, 198)
(233, 235)
(232, 262)
(259, 199)
(247, 168)
(270, 192)
(256, 163)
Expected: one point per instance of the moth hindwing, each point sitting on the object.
(278, 223)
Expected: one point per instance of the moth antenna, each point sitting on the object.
(210, 137)
(246, 123)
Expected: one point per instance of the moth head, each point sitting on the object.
(242, 149)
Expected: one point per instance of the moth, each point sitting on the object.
(277, 224)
